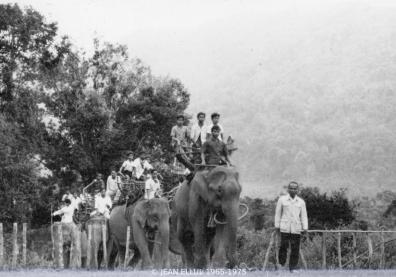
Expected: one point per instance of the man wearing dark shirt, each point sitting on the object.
(214, 151)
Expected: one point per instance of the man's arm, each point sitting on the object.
(304, 217)
(226, 156)
(278, 213)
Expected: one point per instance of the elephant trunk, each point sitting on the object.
(230, 210)
(161, 252)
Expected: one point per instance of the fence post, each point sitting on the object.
(1, 247)
(370, 249)
(268, 250)
(324, 251)
(304, 261)
(277, 237)
(104, 243)
(127, 247)
(24, 241)
(354, 249)
(60, 245)
(339, 250)
(382, 259)
(77, 248)
(89, 246)
(14, 245)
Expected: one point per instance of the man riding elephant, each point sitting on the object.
(210, 192)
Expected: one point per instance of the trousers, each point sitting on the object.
(294, 241)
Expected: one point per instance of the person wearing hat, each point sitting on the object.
(290, 221)
(67, 212)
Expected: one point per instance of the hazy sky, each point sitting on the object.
(191, 40)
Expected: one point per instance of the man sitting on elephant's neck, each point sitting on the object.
(214, 151)
(103, 204)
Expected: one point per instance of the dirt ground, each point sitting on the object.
(181, 272)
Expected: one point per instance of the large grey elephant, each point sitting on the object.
(217, 193)
(96, 240)
(149, 221)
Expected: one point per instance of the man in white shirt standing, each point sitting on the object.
(290, 220)
(199, 130)
(66, 212)
(141, 165)
(215, 122)
(152, 186)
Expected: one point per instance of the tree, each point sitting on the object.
(328, 211)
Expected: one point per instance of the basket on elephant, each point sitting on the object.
(131, 190)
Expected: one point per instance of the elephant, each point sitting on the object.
(149, 221)
(96, 242)
(213, 192)
(70, 233)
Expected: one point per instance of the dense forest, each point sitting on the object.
(65, 115)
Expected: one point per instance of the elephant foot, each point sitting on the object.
(83, 262)
(201, 263)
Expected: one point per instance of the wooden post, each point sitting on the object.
(104, 243)
(304, 261)
(382, 257)
(60, 245)
(277, 237)
(127, 247)
(14, 245)
(268, 250)
(77, 248)
(1, 247)
(89, 246)
(370, 249)
(24, 247)
(95, 246)
(354, 250)
(324, 251)
(339, 250)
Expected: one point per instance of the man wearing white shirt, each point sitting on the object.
(112, 184)
(128, 167)
(152, 186)
(199, 130)
(290, 220)
(103, 204)
(66, 212)
(215, 122)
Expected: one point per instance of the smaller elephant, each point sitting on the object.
(149, 238)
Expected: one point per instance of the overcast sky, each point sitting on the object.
(191, 40)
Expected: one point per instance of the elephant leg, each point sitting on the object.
(121, 255)
(100, 255)
(186, 239)
(218, 252)
(112, 253)
(66, 256)
(83, 262)
(139, 236)
(198, 221)
(136, 257)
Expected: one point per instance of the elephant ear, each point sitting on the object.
(140, 213)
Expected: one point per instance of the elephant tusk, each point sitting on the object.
(239, 218)
(246, 212)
